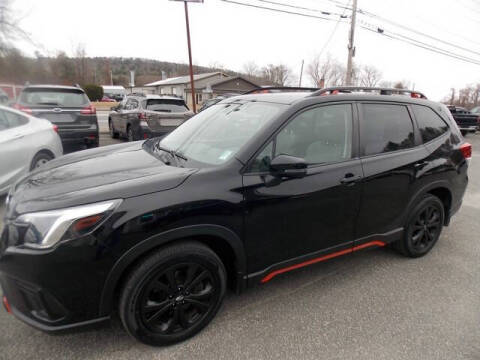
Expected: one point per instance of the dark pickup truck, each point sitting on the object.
(466, 121)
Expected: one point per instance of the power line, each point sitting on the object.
(301, 8)
(278, 10)
(367, 13)
(332, 33)
(417, 43)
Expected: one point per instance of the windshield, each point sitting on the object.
(54, 97)
(215, 135)
(165, 105)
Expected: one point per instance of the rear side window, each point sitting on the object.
(10, 120)
(429, 123)
(165, 105)
(385, 128)
(54, 97)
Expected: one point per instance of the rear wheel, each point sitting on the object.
(40, 159)
(111, 129)
(173, 294)
(423, 227)
(130, 134)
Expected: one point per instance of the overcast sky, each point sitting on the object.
(231, 35)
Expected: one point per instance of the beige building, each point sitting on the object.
(207, 86)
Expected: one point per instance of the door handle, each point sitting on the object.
(350, 179)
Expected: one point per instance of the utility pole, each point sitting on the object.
(192, 84)
(301, 73)
(351, 46)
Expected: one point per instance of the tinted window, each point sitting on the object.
(15, 119)
(54, 97)
(4, 123)
(319, 135)
(385, 128)
(429, 123)
(165, 105)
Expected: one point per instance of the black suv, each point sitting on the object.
(146, 116)
(248, 189)
(68, 107)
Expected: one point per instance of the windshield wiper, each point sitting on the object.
(175, 154)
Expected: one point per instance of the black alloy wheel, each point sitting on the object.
(423, 227)
(173, 294)
(130, 134)
(111, 130)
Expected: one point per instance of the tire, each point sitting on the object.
(172, 294)
(40, 159)
(130, 133)
(423, 227)
(111, 130)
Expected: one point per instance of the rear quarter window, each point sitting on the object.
(385, 128)
(429, 123)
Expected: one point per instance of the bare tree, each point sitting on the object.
(277, 74)
(369, 76)
(326, 72)
(10, 29)
(251, 69)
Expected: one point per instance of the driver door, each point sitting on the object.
(289, 220)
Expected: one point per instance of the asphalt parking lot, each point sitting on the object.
(373, 304)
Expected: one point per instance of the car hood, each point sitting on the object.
(110, 172)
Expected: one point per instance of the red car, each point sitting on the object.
(106, 99)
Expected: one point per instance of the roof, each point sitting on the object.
(183, 79)
(224, 80)
(52, 87)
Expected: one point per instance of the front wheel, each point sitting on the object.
(423, 227)
(173, 294)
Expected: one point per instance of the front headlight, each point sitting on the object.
(46, 228)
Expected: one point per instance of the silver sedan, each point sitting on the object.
(26, 143)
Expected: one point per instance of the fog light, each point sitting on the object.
(6, 305)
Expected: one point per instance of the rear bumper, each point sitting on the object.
(79, 140)
(471, 128)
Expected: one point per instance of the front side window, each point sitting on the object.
(319, 135)
(216, 134)
(429, 123)
(385, 128)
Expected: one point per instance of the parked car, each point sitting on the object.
(106, 99)
(67, 107)
(3, 97)
(114, 92)
(467, 122)
(146, 116)
(245, 191)
(26, 143)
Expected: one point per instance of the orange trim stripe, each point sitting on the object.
(321, 258)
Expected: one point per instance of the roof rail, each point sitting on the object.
(381, 90)
(277, 89)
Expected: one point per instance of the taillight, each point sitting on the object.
(88, 110)
(478, 120)
(466, 150)
(23, 108)
(416, 95)
(55, 128)
(142, 116)
(6, 305)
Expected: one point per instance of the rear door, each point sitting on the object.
(392, 157)
(68, 108)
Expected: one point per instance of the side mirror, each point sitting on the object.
(288, 166)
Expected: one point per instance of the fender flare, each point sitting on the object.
(163, 238)
(434, 185)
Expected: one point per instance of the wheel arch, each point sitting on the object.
(42, 150)
(440, 189)
(224, 242)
